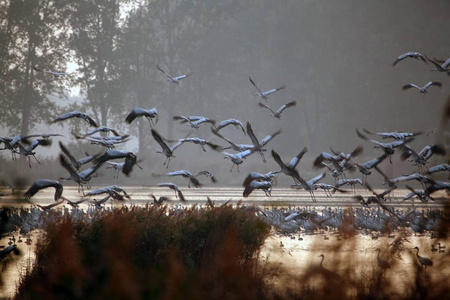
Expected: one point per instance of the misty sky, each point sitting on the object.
(335, 59)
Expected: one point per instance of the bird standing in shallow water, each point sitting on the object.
(424, 261)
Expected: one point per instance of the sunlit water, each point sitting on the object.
(354, 257)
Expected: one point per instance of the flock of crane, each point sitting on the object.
(337, 164)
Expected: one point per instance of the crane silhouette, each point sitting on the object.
(138, 112)
(174, 79)
(424, 261)
(277, 113)
(76, 114)
(43, 184)
(415, 55)
(265, 95)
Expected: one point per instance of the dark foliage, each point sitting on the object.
(149, 253)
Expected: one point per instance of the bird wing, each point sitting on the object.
(295, 160)
(69, 155)
(160, 141)
(164, 72)
(268, 138)
(430, 83)
(407, 151)
(446, 64)
(437, 65)
(403, 56)
(63, 161)
(267, 106)
(283, 107)
(90, 120)
(234, 145)
(182, 118)
(410, 85)
(229, 122)
(267, 93)
(136, 112)
(181, 173)
(254, 84)
(183, 76)
(180, 195)
(278, 160)
(251, 134)
(316, 179)
(130, 161)
(68, 115)
(42, 184)
(36, 69)
(372, 163)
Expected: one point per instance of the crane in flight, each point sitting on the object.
(422, 89)
(172, 186)
(75, 114)
(415, 55)
(265, 186)
(227, 122)
(194, 121)
(82, 177)
(28, 151)
(264, 141)
(441, 66)
(53, 73)
(166, 150)
(265, 95)
(40, 184)
(174, 79)
(138, 112)
(277, 113)
(130, 159)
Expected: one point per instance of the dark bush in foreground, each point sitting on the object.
(149, 253)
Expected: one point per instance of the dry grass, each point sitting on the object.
(158, 253)
(148, 253)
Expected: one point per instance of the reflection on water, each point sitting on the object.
(352, 257)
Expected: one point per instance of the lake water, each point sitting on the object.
(351, 258)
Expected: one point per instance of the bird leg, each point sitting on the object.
(150, 122)
(263, 157)
(36, 159)
(312, 196)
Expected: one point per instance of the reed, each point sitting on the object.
(151, 252)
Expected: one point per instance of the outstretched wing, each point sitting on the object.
(164, 72)
(254, 84)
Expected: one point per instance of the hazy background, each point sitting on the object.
(335, 59)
